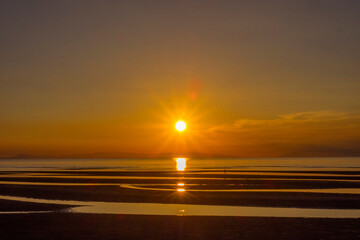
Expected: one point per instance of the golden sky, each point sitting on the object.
(250, 78)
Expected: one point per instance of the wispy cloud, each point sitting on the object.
(306, 133)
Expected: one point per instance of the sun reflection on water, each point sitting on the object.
(180, 164)
(181, 189)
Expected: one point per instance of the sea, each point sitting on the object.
(253, 164)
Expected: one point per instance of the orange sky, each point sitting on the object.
(250, 78)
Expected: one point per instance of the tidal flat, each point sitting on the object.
(147, 204)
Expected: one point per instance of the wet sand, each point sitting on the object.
(98, 226)
(16, 206)
(161, 186)
(162, 189)
(118, 194)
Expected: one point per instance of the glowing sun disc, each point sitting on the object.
(180, 126)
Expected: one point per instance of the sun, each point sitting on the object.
(180, 126)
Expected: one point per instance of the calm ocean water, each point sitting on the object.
(260, 164)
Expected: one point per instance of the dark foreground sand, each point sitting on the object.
(98, 226)
(15, 206)
(119, 194)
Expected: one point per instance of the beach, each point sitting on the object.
(108, 226)
(190, 203)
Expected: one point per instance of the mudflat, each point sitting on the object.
(20, 219)
(108, 226)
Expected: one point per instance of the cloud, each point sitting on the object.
(318, 133)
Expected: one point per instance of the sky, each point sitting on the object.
(250, 78)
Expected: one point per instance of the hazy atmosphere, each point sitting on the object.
(110, 78)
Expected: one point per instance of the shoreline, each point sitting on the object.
(59, 225)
